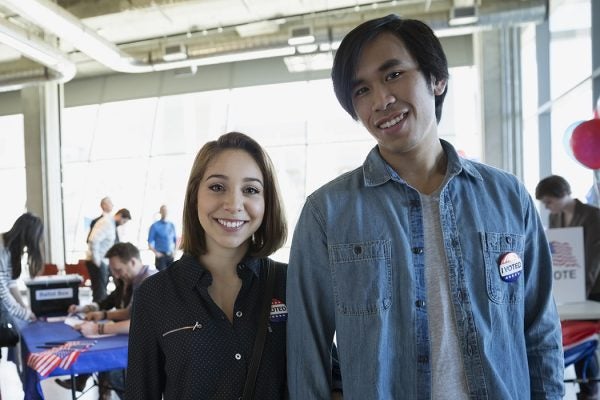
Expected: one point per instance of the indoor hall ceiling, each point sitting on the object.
(138, 32)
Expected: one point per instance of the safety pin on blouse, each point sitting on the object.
(197, 325)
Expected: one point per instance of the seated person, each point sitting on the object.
(112, 316)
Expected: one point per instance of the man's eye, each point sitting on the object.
(392, 75)
(217, 187)
(360, 91)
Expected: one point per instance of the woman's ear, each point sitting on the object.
(439, 86)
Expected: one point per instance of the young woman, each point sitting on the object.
(26, 233)
(194, 324)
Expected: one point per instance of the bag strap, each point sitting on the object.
(261, 332)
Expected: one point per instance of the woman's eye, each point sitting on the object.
(392, 75)
(251, 190)
(217, 187)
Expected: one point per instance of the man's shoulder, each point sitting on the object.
(346, 182)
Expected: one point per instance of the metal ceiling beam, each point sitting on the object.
(58, 69)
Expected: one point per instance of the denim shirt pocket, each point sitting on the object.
(495, 245)
(362, 276)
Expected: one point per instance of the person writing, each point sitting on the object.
(565, 211)
(432, 271)
(125, 265)
(194, 324)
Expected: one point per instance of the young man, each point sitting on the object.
(432, 271)
(162, 238)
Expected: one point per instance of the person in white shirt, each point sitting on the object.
(103, 236)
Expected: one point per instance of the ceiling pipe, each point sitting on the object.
(59, 68)
(53, 18)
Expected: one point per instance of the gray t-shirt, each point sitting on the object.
(447, 369)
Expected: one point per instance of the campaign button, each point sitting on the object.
(510, 267)
(279, 311)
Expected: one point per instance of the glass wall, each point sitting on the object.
(12, 170)
(139, 152)
(571, 88)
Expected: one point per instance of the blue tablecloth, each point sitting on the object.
(106, 354)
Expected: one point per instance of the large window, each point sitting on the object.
(570, 30)
(139, 152)
(12, 170)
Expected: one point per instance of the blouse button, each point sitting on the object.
(238, 314)
(238, 356)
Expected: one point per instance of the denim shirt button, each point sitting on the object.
(454, 242)
(358, 250)
(508, 240)
(470, 350)
(423, 359)
(420, 303)
(417, 250)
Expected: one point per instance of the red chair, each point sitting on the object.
(580, 341)
(49, 269)
(81, 269)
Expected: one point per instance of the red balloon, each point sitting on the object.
(585, 143)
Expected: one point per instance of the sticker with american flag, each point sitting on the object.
(60, 356)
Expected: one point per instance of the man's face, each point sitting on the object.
(392, 98)
(554, 204)
(106, 205)
(163, 212)
(120, 220)
(120, 269)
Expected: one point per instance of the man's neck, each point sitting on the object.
(423, 169)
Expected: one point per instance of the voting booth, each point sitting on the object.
(568, 264)
(52, 295)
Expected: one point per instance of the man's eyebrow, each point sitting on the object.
(389, 64)
(392, 62)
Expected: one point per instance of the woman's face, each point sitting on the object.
(231, 201)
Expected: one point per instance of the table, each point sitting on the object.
(107, 354)
(579, 311)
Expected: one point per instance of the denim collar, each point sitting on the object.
(377, 171)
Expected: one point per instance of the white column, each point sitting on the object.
(42, 109)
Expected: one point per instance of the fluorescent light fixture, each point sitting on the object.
(301, 35)
(258, 28)
(307, 48)
(175, 53)
(227, 58)
(463, 15)
(309, 62)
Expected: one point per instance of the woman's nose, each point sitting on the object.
(234, 203)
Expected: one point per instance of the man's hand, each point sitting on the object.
(87, 328)
(94, 316)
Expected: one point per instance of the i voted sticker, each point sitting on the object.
(279, 311)
(510, 267)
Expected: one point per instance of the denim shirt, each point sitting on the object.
(357, 271)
